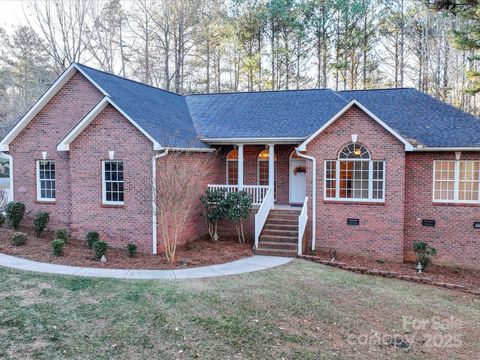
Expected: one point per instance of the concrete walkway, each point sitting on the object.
(250, 264)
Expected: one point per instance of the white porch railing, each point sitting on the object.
(257, 192)
(262, 214)
(302, 224)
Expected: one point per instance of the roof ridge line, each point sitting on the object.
(131, 80)
(257, 92)
(378, 89)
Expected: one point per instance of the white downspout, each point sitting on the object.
(154, 199)
(314, 194)
(10, 174)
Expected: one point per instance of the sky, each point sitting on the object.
(11, 13)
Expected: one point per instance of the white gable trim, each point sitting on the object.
(64, 145)
(303, 146)
(46, 97)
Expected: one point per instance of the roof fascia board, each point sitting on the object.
(35, 109)
(64, 145)
(303, 146)
(173, 149)
(427, 149)
(254, 141)
(91, 80)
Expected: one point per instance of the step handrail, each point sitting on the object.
(302, 223)
(262, 214)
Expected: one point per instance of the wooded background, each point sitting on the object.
(191, 46)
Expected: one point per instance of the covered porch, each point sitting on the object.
(275, 177)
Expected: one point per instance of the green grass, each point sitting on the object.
(298, 311)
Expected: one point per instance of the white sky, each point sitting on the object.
(11, 13)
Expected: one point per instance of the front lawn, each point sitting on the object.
(298, 311)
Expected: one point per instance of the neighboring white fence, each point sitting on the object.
(302, 224)
(262, 214)
(257, 192)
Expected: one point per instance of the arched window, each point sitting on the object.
(263, 167)
(354, 175)
(232, 167)
(354, 151)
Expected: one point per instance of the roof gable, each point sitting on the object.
(303, 146)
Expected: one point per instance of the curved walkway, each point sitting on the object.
(246, 265)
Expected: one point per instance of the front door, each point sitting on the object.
(297, 180)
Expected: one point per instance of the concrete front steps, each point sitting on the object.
(279, 236)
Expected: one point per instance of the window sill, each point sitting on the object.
(455, 204)
(45, 202)
(118, 206)
(359, 202)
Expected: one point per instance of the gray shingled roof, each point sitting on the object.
(162, 114)
(181, 121)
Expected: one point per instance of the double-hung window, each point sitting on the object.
(456, 181)
(112, 183)
(354, 176)
(45, 180)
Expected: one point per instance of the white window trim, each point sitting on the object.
(39, 189)
(370, 182)
(104, 186)
(456, 182)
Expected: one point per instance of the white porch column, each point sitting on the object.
(271, 166)
(240, 167)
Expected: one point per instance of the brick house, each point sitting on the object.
(362, 172)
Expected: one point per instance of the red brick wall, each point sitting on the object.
(117, 225)
(71, 103)
(201, 169)
(457, 242)
(380, 233)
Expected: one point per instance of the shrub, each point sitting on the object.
(40, 221)
(62, 234)
(92, 237)
(424, 253)
(238, 205)
(132, 249)
(213, 202)
(100, 249)
(193, 246)
(57, 247)
(2, 219)
(15, 211)
(19, 239)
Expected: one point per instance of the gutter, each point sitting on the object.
(154, 199)
(314, 194)
(10, 174)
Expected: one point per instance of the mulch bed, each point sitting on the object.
(76, 253)
(467, 280)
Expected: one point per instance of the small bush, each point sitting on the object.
(2, 219)
(40, 221)
(62, 234)
(100, 249)
(92, 237)
(424, 253)
(193, 246)
(57, 247)
(19, 239)
(131, 249)
(15, 211)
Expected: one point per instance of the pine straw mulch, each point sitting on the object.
(199, 252)
(435, 274)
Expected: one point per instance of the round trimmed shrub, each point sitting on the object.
(92, 237)
(62, 234)
(100, 249)
(131, 249)
(2, 219)
(57, 247)
(19, 239)
(15, 211)
(40, 221)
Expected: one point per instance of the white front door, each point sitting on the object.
(297, 180)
